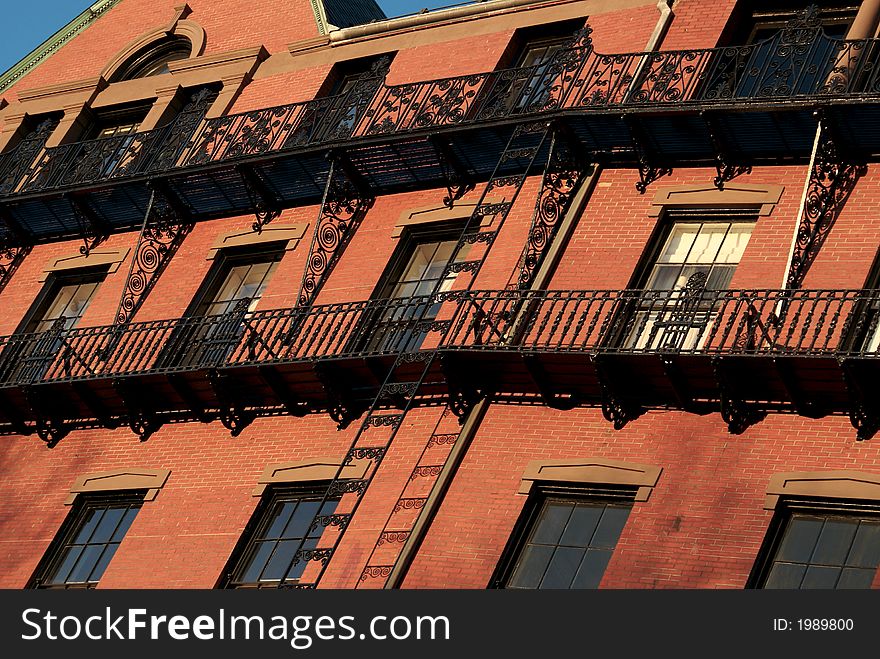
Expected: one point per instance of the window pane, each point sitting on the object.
(785, 575)
(708, 242)
(865, 551)
(258, 562)
(610, 527)
(552, 523)
(664, 278)
(281, 516)
(92, 517)
(87, 561)
(852, 578)
(720, 277)
(679, 243)
(581, 526)
(800, 539)
(531, 567)
(563, 567)
(71, 555)
(108, 525)
(592, 569)
(281, 559)
(834, 542)
(302, 518)
(820, 577)
(123, 527)
(103, 562)
(735, 243)
(80, 300)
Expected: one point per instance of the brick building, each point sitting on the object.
(297, 295)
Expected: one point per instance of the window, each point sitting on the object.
(268, 555)
(566, 538)
(772, 66)
(57, 309)
(820, 545)
(345, 102)
(230, 293)
(154, 59)
(532, 51)
(699, 253)
(87, 541)
(415, 273)
(115, 131)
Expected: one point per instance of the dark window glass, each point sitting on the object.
(154, 59)
(773, 65)
(284, 524)
(416, 272)
(817, 550)
(218, 317)
(568, 544)
(88, 540)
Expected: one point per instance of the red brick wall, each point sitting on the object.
(702, 526)
(704, 521)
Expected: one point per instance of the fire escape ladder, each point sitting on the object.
(403, 382)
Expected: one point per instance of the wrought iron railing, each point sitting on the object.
(841, 323)
(799, 63)
(803, 322)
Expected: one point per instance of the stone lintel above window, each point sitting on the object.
(735, 195)
(151, 480)
(314, 469)
(596, 471)
(839, 484)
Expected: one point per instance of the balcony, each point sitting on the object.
(742, 105)
(743, 353)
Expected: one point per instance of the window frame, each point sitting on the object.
(156, 54)
(785, 510)
(50, 289)
(259, 522)
(381, 302)
(73, 522)
(540, 494)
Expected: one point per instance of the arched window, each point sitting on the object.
(154, 59)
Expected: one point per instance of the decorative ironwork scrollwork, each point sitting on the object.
(340, 521)
(409, 503)
(562, 175)
(425, 471)
(10, 260)
(178, 136)
(376, 572)
(390, 537)
(832, 181)
(14, 164)
(341, 487)
(162, 234)
(365, 453)
(342, 210)
(440, 440)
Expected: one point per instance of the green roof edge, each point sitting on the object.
(55, 42)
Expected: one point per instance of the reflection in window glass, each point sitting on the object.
(825, 552)
(570, 545)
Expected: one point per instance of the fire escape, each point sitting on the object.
(741, 353)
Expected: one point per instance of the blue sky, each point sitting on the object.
(29, 23)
